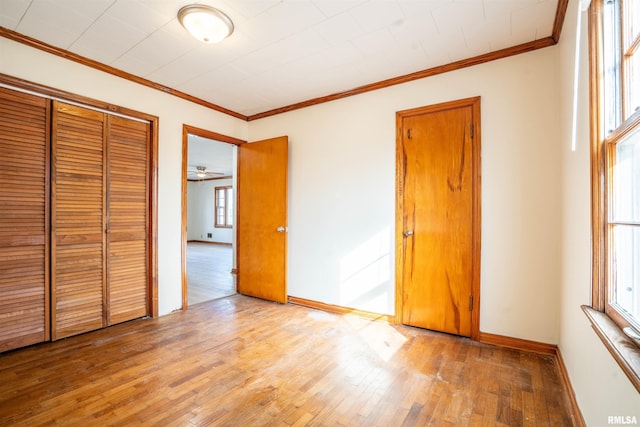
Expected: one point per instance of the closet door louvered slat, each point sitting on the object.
(128, 195)
(78, 220)
(24, 279)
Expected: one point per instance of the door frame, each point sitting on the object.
(186, 131)
(474, 103)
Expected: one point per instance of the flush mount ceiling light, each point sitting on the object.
(205, 23)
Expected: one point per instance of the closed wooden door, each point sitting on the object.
(78, 220)
(262, 222)
(100, 219)
(438, 229)
(127, 219)
(24, 219)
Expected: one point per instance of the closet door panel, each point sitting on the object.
(128, 195)
(77, 220)
(24, 279)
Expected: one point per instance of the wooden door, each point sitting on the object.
(262, 219)
(77, 220)
(24, 219)
(438, 230)
(127, 222)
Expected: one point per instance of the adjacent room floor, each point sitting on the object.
(240, 361)
(209, 271)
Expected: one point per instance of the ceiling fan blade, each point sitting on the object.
(200, 172)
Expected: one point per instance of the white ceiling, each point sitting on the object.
(282, 51)
(214, 155)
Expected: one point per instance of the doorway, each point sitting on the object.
(438, 217)
(209, 215)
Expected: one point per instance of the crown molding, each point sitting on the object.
(553, 39)
(30, 41)
(463, 63)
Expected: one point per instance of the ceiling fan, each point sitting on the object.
(201, 172)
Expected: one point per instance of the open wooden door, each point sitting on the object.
(262, 219)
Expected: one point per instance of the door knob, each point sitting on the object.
(281, 229)
(408, 233)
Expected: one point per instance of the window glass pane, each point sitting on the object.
(626, 180)
(633, 83)
(632, 9)
(612, 108)
(626, 269)
(230, 206)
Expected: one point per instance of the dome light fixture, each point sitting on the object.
(205, 23)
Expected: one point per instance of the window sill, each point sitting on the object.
(623, 349)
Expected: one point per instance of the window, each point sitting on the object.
(623, 227)
(615, 133)
(619, 143)
(224, 207)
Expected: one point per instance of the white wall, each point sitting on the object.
(201, 212)
(342, 192)
(601, 388)
(31, 64)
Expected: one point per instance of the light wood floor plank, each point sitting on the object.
(239, 361)
(209, 272)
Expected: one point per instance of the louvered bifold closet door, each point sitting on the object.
(127, 207)
(77, 210)
(24, 291)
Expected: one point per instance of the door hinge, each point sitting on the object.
(472, 131)
(470, 302)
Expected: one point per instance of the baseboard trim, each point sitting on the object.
(518, 343)
(210, 242)
(576, 414)
(341, 310)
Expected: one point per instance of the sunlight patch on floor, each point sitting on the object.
(381, 337)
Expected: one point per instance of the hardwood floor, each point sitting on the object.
(240, 361)
(209, 272)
